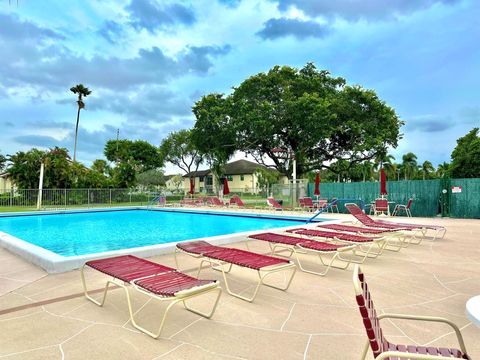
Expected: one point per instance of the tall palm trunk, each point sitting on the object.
(76, 135)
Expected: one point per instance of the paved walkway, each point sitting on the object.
(45, 317)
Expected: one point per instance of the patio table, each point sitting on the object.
(473, 310)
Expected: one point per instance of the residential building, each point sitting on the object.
(5, 183)
(240, 174)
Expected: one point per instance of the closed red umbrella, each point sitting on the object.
(192, 186)
(317, 185)
(226, 190)
(383, 183)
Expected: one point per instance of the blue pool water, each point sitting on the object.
(71, 234)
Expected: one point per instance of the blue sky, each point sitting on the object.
(148, 61)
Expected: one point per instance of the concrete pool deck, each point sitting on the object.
(46, 317)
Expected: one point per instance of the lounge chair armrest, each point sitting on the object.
(431, 319)
(412, 356)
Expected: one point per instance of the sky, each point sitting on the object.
(148, 61)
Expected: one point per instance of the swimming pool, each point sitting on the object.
(61, 237)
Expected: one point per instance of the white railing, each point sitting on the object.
(71, 198)
(57, 199)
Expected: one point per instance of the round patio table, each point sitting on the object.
(473, 310)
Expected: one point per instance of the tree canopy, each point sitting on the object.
(302, 113)
(3, 162)
(141, 155)
(214, 132)
(179, 149)
(466, 156)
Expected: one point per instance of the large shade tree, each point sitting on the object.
(466, 156)
(304, 114)
(178, 148)
(214, 132)
(139, 154)
(82, 92)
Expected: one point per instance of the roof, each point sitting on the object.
(197, 173)
(239, 167)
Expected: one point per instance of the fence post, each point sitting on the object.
(65, 198)
(40, 187)
(110, 197)
(88, 198)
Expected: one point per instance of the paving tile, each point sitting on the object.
(110, 342)
(244, 342)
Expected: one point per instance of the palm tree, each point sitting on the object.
(386, 161)
(427, 168)
(409, 164)
(82, 92)
(442, 169)
(366, 169)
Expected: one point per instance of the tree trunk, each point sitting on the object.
(76, 135)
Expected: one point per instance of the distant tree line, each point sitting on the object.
(285, 114)
(130, 163)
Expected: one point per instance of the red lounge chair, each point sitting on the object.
(366, 231)
(322, 203)
(404, 208)
(366, 245)
(274, 204)
(309, 203)
(414, 228)
(301, 202)
(187, 202)
(217, 257)
(377, 341)
(214, 201)
(293, 244)
(157, 281)
(423, 228)
(235, 200)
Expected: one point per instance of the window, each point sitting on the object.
(201, 178)
(242, 177)
(229, 177)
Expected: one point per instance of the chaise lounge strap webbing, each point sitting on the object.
(320, 246)
(128, 267)
(278, 238)
(292, 240)
(349, 228)
(331, 235)
(169, 284)
(234, 256)
(413, 226)
(195, 247)
(413, 349)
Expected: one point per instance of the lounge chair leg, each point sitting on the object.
(216, 268)
(328, 265)
(85, 290)
(260, 282)
(365, 350)
(175, 256)
(212, 311)
(269, 272)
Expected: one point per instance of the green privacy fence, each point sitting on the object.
(464, 198)
(429, 200)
